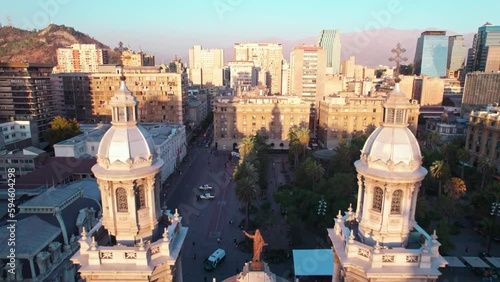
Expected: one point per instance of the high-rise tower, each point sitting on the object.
(431, 54)
(485, 52)
(330, 41)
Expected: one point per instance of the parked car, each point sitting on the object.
(213, 260)
(205, 187)
(235, 154)
(207, 196)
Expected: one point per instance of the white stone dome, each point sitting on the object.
(126, 147)
(392, 149)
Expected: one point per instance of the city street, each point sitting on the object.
(209, 220)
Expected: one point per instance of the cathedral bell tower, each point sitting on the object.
(389, 177)
(127, 172)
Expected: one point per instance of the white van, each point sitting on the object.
(212, 261)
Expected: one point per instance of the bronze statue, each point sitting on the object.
(258, 244)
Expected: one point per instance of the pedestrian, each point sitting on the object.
(194, 255)
(466, 250)
(194, 243)
(218, 240)
(235, 241)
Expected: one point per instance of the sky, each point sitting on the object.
(168, 27)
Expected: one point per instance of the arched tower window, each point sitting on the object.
(140, 197)
(121, 200)
(378, 197)
(396, 202)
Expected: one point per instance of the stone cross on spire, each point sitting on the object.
(398, 59)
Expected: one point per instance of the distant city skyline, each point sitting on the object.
(170, 28)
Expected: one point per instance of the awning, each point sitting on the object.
(476, 262)
(494, 261)
(454, 262)
(316, 262)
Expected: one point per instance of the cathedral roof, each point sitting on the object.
(392, 148)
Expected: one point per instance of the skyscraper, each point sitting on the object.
(432, 54)
(481, 56)
(267, 60)
(457, 51)
(330, 41)
(308, 67)
(206, 66)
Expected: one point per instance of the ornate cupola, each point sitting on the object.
(389, 176)
(127, 171)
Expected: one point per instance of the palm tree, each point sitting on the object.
(247, 191)
(314, 171)
(463, 156)
(302, 134)
(246, 146)
(455, 188)
(245, 169)
(295, 149)
(433, 139)
(439, 170)
(486, 167)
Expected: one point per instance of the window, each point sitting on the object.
(396, 202)
(121, 200)
(140, 197)
(378, 197)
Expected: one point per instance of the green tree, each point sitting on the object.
(62, 129)
(439, 171)
(246, 146)
(455, 188)
(247, 191)
(302, 135)
(433, 139)
(486, 168)
(463, 155)
(314, 171)
(294, 146)
(245, 169)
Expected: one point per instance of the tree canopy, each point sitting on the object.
(62, 129)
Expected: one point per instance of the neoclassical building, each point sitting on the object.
(381, 241)
(128, 174)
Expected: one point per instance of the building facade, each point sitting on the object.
(267, 59)
(478, 57)
(285, 78)
(15, 135)
(448, 127)
(480, 89)
(374, 242)
(162, 96)
(80, 58)
(308, 72)
(242, 74)
(206, 66)
(26, 94)
(341, 118)
(457, 52)
(137, 59)
(22, 161)
(482, 140)
(431, 54)
(330, 41)
(428, 91)
(273, 116)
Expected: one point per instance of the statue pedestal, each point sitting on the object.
(256, 266)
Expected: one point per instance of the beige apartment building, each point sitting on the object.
(137, 59)
(428, 91)
(80, 58)
(342, 118)
(162, 96)
(308, 73)
(483, 132)
(480, 90)
(267, 59)
(242, 74)
(273, 116)
(206, 66)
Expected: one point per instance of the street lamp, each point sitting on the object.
(322, 207)
(495, 212)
